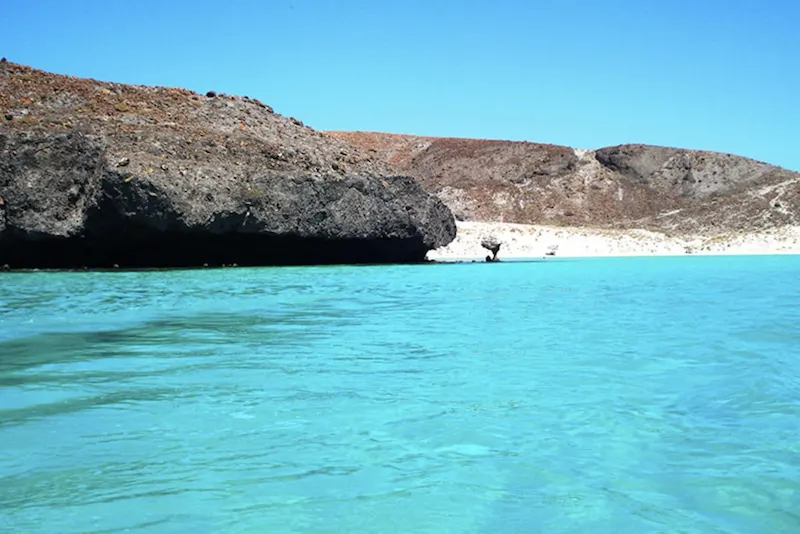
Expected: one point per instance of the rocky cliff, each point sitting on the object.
(628, 186)
(99, 174)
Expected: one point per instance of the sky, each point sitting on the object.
(719, 75)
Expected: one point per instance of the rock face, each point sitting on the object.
(629, 186)
(96, 174)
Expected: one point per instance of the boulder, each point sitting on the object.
(492, 244)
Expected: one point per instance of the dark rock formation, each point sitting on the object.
(98, 174)
(492, 244)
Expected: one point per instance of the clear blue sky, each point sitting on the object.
(710, 74)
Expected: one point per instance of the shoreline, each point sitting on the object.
(529, 242)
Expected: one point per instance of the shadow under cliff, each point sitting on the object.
(139, 248)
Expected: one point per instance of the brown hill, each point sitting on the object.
(96, 173)
(626, 186)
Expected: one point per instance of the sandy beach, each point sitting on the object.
(533, 241)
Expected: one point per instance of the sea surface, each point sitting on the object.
(589, 396)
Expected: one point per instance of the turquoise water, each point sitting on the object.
(617, 395)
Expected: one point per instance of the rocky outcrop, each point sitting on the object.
(96, 174)
(628, 186)
(687, 174)
(492, 244)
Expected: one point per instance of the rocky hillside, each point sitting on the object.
(626, 186)
(97, 174)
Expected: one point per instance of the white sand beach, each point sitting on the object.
(533, 241)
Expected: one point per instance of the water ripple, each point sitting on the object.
(635, 395)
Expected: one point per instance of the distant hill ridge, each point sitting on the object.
(658, 188)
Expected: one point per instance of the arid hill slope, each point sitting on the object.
(618, 187)
(95, 174)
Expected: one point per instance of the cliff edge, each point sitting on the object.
(98, 174)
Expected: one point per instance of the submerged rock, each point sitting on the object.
(235, 183)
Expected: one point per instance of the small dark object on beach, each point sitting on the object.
(8, 116)
(3, 60)
(211, 94)
(492, 244)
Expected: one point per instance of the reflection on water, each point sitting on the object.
(630, 395)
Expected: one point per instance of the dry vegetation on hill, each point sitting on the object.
(630, 186)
